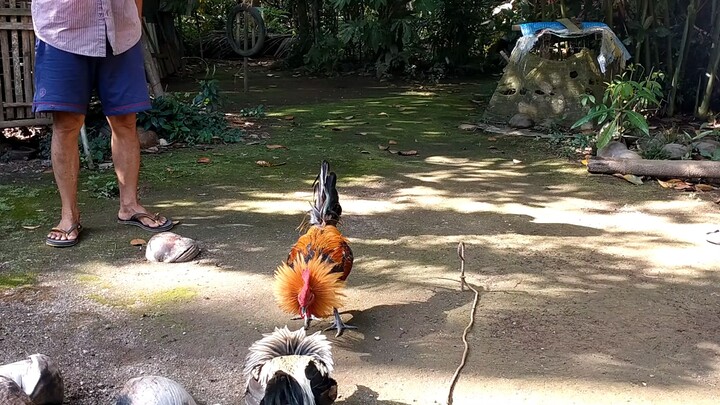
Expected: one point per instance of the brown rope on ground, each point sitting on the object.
(463, 283)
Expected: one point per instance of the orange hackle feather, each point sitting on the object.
(324, 283)
(328, 241)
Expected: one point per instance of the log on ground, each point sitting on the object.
(687, 169)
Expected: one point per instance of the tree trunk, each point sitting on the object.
(684, 48)
(684, 169)
(712, 68)
(669, 51)
(608, 7)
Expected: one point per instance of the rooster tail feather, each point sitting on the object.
(326, 209)
(283, 342)
(283, 389)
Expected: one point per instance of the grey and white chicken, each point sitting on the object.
(290, 368)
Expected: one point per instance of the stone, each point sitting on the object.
(521, 121)
(706, 147)
(617, 150)
(147, 138)
(169, 247)
(675, 151)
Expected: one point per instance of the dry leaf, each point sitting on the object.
(492, 139)
(467, 127)
(630, 178)
(516, 161)
(204, 159)
(364, 151)
(383, 114)
(407, 153)
(349, 117)
(394, 152)
(704, 187)
(289, 118)
(361, 133)
(138, 242)
(584, 162)
(389, 124)
(31, 227)
(276, 147)
(383, 147)
(263, 163)
(392, 142)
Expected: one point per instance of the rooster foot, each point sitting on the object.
(306, 326)
(339, 324)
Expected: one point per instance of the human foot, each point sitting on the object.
(148, 222)
(64, 236)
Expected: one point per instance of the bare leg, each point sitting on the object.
(126, 159)
(339, 324)
(65, 158)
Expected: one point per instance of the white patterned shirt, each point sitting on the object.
(85, 27)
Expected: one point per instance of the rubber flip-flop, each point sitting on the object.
(61, 243)
(135, 220)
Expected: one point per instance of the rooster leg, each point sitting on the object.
(339, 324)
(306, 326)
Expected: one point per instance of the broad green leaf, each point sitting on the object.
(606, 134)
(638, 121)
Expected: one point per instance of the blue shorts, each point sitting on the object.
(64, 81)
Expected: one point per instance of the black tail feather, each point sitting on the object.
(283, 389)
(326, 209)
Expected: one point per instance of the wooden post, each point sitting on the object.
(151, 69)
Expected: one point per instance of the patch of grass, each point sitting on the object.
(13, 280)
(23, 206)
(171, 296)
(120, 302)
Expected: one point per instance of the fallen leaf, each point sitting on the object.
(407, 153)
(392, 142)
(265, 163)
(204, 159)
(31, 227)
(276, 147)
(289, 118)
(138, 242)
(492, 139)
(361, 133)
(389, 124)
(584, 162)
(467, 127)
(253, 143)
(394, 152)
(516, 161)
(383, 147)
(364, 151)
(704, 187)
(630, 178)
(349, 117)
(383, 114)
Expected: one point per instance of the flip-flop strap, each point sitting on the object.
(138, 215)
(68, 231)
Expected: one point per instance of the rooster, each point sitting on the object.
(290, 368)
(310, 282)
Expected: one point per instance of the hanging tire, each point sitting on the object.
(258, 34)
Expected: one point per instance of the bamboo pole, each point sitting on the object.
(669, 41)
(675, 84)
(713, 64)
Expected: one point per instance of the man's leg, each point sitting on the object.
(126, 159)
(66, 167)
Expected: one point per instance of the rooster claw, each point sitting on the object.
(338, 324)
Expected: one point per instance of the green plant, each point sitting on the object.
(180, 121)
(102, 186)
(209, 96)
(570, 146)
(625, 105)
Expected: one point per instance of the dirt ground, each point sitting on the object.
(593, 291)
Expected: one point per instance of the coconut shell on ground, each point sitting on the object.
(169, 247)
